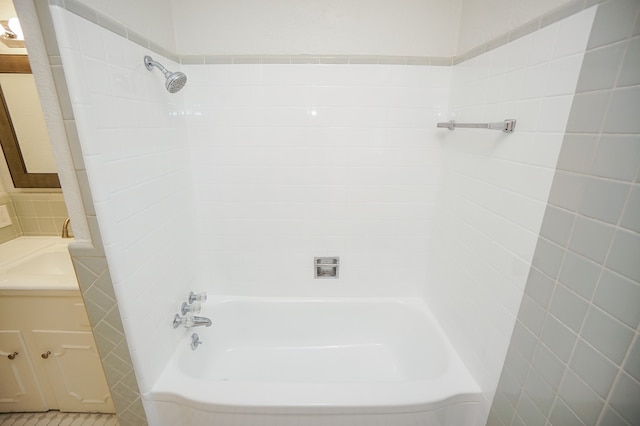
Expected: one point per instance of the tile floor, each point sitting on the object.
(56, 418)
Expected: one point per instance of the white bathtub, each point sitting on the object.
(316, 362)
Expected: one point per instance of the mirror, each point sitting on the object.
(23, 134)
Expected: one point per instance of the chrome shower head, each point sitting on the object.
(175, 80)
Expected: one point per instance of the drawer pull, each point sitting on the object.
(46, 355)
(13, 355)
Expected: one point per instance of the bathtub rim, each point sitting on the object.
(455, 385)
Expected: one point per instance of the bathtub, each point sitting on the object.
(315, 362)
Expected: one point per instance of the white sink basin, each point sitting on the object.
(36, 263)
(48, 263)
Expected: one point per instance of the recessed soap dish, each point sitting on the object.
(326, 267)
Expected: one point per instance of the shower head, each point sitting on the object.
(175, 80)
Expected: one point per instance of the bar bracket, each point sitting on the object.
(506, 126)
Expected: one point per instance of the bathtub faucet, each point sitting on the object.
(190, 320)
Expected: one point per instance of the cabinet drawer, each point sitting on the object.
(44, 312)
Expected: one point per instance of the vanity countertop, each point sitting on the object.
(41, 264)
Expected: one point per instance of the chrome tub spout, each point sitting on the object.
(198, 321)
(190, 321)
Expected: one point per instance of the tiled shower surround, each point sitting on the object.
(574, 356)
(257, 168)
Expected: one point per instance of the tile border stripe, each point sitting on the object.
(90, 14)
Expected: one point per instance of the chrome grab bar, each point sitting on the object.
(506, 126)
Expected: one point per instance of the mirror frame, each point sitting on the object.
(18, 64)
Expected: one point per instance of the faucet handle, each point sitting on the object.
(193, 308)
(187, 320)
(197, 297)
(195, 341)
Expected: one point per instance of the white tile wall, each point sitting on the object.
(495, 188)
(292, 162)
(136, 156)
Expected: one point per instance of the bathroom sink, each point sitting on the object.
(48, 263)
(36, 263)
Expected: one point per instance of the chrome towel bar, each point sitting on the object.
(506, 126)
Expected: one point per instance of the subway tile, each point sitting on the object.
(516, 365)
(617, 157)
(539, 391)
(588, 112)
(631, 215)
(569, 308)
(600, 67)
(579, 274)
(630, 73)
(583, 401)
(606, 334)
(620, 297)
(622, 113)
(509, 388)
(531, 314)
(81, 10)
(624, 254)
(493, 419)
(624, 398)
(611, 418)
(523, 341)
(95, 312)
(539, 287)
(503, 408)
(565, 74)
(554, 113)
(591, 238)
(112, 26)
(63, 92)
(517, 421)
(529, 412)
(632, 363)
(604, 199)
(548, 366)
(548, 257)
(577, 152)
(558, 14)
(567, 190)
(557, 225)
(558, 338)
(593, 368)
(539, 51)
(561, 414)
(613, 22)
(572, 33)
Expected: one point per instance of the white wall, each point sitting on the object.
(153, 19)
(482, 20)
(291, 27)
(296, 161)
(495, 187)
(133, 141)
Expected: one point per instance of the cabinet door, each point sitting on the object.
(19, 389)
(74, 370)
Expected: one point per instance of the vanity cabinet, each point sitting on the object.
(57, 365)
(19, 388)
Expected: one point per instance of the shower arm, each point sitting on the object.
(150, 63)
